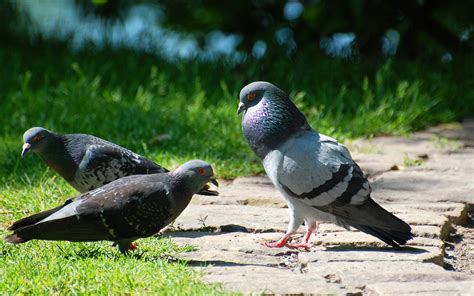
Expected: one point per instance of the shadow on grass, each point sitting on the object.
(144, 256)
(114, 255)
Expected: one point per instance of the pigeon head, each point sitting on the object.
(270, 116)
(195, 174)
(36, 139)
(252, 94)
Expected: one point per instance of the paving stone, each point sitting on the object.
(247, 248)
(425, 186)
(366, 254)
(361, 274)
(358, 238)
(231, 248)
(272, 280)
(252, 191)
(251, 218)
(422, 288)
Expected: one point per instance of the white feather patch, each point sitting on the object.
(361, 195)
(66, 212)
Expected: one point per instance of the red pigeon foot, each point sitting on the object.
(278, 244)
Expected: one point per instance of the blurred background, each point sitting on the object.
(162, 77)
(242, 30)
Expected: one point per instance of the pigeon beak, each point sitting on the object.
(206, 190)
(241, 108)
(26, 148)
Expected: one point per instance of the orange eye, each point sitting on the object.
(201, 171)
(37, 138)
(251, 96)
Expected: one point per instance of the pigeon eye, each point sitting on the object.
(37, 138)
(201, 171)
(251, 96)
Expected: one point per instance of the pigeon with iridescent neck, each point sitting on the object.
(87, 162)
(122, 211)
(315, 174)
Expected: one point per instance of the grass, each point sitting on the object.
(412, 162)
(172, 113)
(96, 268)
(446, 144)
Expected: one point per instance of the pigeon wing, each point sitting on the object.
(103, 162)
(333, 183)
(319, 171)
(141, 214)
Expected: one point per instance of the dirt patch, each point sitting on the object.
(459, 252)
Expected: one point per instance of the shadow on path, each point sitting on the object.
(407, 250)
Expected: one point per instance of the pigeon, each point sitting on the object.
(87, 162)
(122, 211)
(315, 174)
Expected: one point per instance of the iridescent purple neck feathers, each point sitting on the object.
(270, 122)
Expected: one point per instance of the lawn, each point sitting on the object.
(173, 112)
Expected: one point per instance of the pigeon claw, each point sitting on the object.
(280, 243)
(133, 247)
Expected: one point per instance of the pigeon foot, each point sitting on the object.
(280, 243)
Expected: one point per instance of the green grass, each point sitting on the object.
(412, 162)
(90, 268)
(172, 113)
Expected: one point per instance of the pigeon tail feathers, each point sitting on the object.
(391, 237)
(33, 219)
(16, 239)
(372, 219)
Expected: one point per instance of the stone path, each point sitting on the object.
(426, 179)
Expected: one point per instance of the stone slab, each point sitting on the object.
(460, 288)
(272, 280)
(361, 274)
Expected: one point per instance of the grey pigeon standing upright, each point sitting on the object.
(122, 211)
(87, 162)
(315, 174)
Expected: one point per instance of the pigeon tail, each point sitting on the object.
(15, 239)
(391, 237)
(33, 219)
(372, 219)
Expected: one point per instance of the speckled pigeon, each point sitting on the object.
(315, 174)
(122, 211)
(87, 162)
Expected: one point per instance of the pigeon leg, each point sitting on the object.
(133, 246)
(280, 243)
(295, 222)
(310, 227)
(125, 246)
